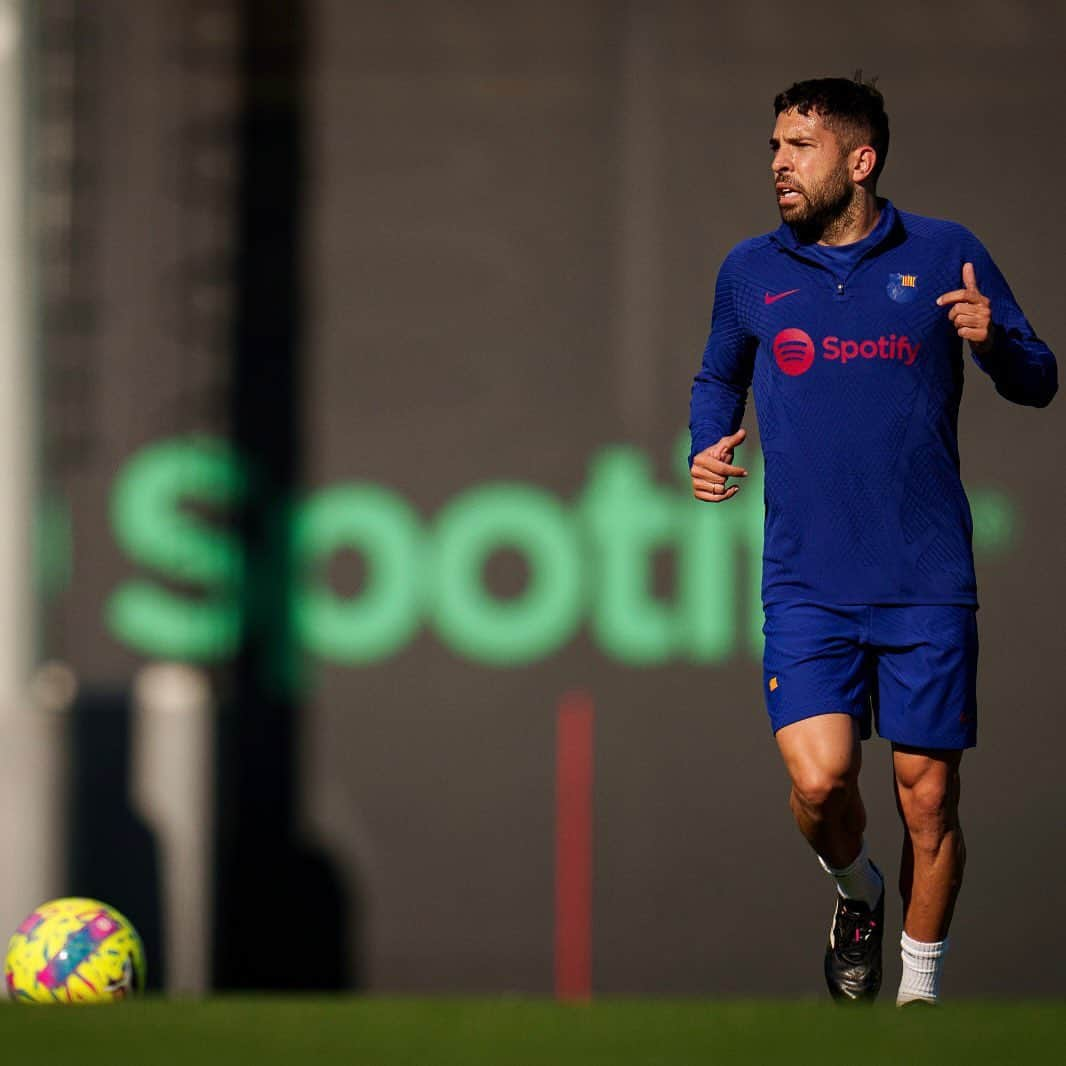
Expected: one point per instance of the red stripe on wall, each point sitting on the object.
(573, 848)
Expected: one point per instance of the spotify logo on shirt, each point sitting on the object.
(794, 350)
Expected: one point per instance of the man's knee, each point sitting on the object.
(819, 790)
(929, 805)
(823, 758)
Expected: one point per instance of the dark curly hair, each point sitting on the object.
(852, 108)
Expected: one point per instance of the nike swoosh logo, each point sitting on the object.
(770, 299)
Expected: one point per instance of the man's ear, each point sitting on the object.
(864, 160)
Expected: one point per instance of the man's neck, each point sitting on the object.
(855, 222)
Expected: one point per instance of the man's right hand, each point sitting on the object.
(712, 466)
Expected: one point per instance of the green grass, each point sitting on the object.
(513, 1032)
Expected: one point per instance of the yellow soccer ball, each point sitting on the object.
(74, 951)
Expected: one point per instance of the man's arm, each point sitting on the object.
(1004, 344)
(720, 389)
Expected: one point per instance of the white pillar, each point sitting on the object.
(30, 803)
(172, 788)
(18, 408)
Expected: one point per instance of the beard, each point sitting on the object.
(821, 208)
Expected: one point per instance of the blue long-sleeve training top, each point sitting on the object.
(857, 376)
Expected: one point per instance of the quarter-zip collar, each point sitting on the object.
(888, 231)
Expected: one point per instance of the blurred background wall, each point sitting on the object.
(362, 336)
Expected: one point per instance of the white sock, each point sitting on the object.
(922, 964)
(859, 881)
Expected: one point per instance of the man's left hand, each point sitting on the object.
(971, 312)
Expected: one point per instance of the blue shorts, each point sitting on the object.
(912, 669)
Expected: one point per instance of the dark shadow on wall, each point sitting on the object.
(111, 852)
(283, 915)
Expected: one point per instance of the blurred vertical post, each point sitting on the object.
(28, 768)
(573, 848)
(172, 781)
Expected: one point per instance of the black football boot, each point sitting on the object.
(853, 955)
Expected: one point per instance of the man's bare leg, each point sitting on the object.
(823, 757)
(934, 855)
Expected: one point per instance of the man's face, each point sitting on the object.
(812, 176)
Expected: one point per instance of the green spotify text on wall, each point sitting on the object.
(590, 562)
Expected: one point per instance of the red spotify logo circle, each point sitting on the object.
(794, 351)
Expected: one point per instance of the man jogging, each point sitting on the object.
(849, 322)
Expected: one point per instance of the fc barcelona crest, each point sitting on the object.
(902, 287)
